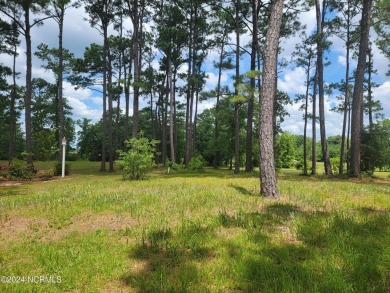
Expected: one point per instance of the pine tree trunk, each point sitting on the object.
(346, 99)
(194, 151)
(27, 100)
(189, 91)
(171, 112)
(175, 115)
(268, 179)
(12, 119)
(369, 90)
(314, 128)
(60, 105)
(126, 74)
(104, 122)
(137, 66)
(357, 102)
(217, 153)
(110, 112)
(249, 125)
(164, 117)
(236, 105)
(305, 118)
(321, 94)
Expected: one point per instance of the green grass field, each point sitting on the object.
(210, 232)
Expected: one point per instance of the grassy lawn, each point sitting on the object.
(186, 232)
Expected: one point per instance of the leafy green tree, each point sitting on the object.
(285, 150)
(45, 144)
(45, 120)
(376, 147)
(139, 159)
(334, 143)
(89, 140)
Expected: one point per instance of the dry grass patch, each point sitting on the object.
(89, 222)
(12, 229)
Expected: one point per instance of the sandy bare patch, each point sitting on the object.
(89, 222)
(9, 183)
(12, 229)
(5, 183)
(116, 286)
(136, 267)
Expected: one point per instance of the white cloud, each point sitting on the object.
(293, 81)
(342, 60)
(39, 72)
(295, 123)
(206, 105)
(212, 80)
(382, 93)
(80, 94)
(97, 100)
(81, 110)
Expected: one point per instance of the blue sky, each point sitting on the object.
(86, 103)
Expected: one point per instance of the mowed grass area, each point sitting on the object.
(187, 232)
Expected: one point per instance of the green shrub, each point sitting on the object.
(20, 170)
(299, 165)
(335, 163)
(176, 167)
(172, 167)
(138, 161)
(45, 174)
(196, 164)
(72, 157)
(58, 169)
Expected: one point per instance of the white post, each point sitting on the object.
(63, 156)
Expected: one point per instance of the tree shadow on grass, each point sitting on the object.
(283, 210)
(333, 252)
(221, 173)
(259, 264)
(360, 240)
(242, 190)
(169, 260)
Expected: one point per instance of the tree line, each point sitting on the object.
(179, 36)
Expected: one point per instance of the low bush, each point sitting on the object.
(45, 174)
(72, 157)
(58, 169)
(335, 163)
(196, 164)
(20, 170)
(138, 161)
